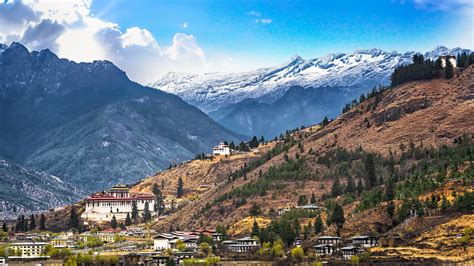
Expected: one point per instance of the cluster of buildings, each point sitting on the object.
(33, 245)
(312, 208)
(328, 246)
(169, 241)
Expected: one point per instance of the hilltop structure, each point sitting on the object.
(102, 206)
(445, 58)
(222, 149)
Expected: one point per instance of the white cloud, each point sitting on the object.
(69, 29)
(264, 21)
(257, 15)
(254, 13)
(185, 25)
(446, 5)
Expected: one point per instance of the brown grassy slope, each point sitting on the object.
(429, 112)
(432, 111)
(439, 240)
(198, 175)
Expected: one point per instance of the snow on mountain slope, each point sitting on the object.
(362, 68)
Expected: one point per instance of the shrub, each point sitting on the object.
(297, 254)
(355, 260)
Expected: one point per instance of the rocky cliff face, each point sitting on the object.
(24, 190)
(89, 124)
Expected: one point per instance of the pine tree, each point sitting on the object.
(128, 220)
(261, 140)
(297, 227)
(444, 204)
(438, 67)
(350, 187)
(302, 200)
(179, 191)
(336, 188)
(306, 232)
(313, 198)
(159, 202)
(325, 121)
(338, 219)
(73, 219)
(113, 222)
(134, 212)
(310, 228)
(253, 142)
(318, 225)
(390, 190)
(255, 228)
(390, 209)
(4, 227)
(360, 187)
(449, 69)
(42, 222)
(146, 213)
(370, 171)
(32, 222)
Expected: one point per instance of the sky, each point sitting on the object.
(148, 38)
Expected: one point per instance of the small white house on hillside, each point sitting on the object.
(221, 149)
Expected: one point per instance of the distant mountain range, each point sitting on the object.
(88, 124)
(270, 100)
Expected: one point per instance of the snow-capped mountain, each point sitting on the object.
(361, 69)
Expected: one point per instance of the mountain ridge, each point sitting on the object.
(88, 122)
(327, 83)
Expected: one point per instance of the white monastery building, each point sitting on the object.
(221, 149)
(102, 206)
(451, 59)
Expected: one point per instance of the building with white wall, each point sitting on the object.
(451, 59)
(221, 149)
(102, 206)
(29, 249)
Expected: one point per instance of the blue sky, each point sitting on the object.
(306, 28)
(149, 38)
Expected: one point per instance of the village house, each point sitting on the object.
(83, 237)
(297, 242)
(282, 211)
(331, 240)
(162, 241)
(349, 251)
(364, 241)
(445, 58)
(59, 242)
(30, 249)
(169, 241)
(246, 244)
(135, 231)
(323, 250)
(189, 243)
(221, 149)
(308, 207)
(102, 206)
(217, 237)
(227, 243)
(106, 237)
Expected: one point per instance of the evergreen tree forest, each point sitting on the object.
(368, 177)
